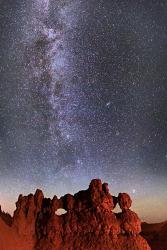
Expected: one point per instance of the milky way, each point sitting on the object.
(83, 95)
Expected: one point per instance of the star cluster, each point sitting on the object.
(83, 95)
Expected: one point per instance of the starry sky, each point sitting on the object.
(83, 94)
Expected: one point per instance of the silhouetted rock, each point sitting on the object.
(7, 218)
(89, 222)
(156, 235)
(38, 199)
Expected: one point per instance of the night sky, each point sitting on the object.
(83, 94)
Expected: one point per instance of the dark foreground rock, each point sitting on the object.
(88, 224)
(156, 235)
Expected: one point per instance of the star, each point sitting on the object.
(108, 104)
(83, 95)
(134, 191)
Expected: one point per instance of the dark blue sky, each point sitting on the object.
(83, 94)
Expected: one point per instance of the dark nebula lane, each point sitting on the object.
(83, 94)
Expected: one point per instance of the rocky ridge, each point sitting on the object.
(89, 222)
(156, 235)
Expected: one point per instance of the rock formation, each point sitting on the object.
(89, 222)
(5, 217)
(156, 235)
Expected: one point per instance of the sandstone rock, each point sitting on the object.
(55, 204)
(38, 199)
(68, 202)
(88, 224)
(124, 201)
(129, 222)
(105, 188)
(7, 218)
(155, 234)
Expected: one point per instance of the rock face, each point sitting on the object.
(156, 235)
(89, 222)
(6, 217)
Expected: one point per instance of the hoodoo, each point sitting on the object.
(89, 222)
